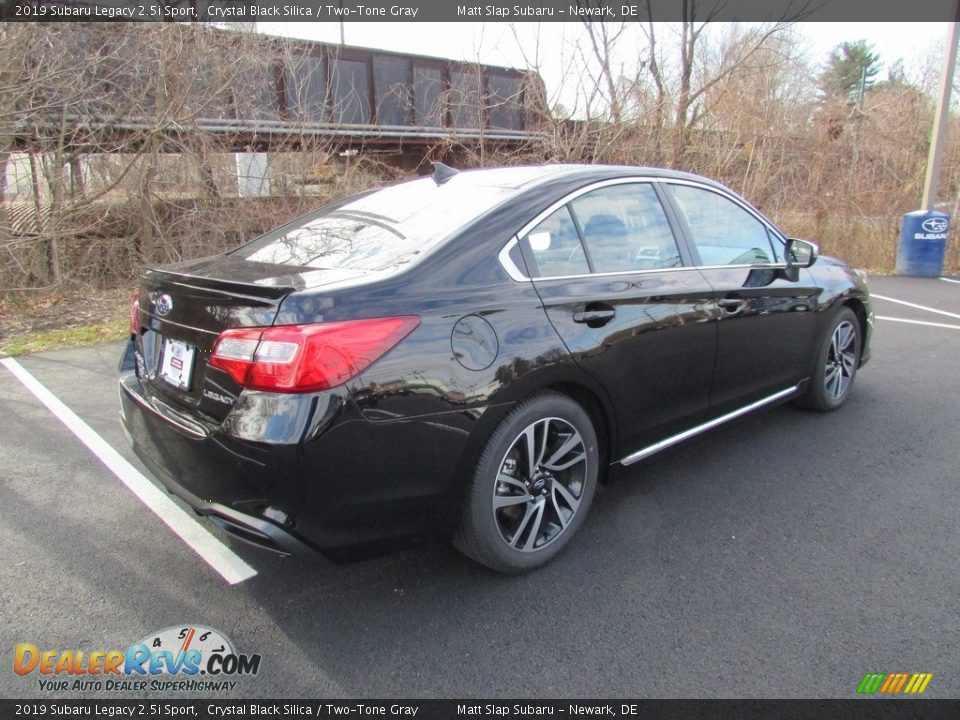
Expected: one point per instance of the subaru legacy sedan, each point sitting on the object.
(470, 354)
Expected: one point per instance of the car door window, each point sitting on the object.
(625, 228)
(554, 245)
(723, 232)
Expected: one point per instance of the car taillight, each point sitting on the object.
(304, 358)
(135, 314)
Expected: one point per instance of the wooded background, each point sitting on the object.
(829, 148)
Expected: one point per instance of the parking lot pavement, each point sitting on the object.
(916, 299)
(784, 555)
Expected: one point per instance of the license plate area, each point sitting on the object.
(176, 363)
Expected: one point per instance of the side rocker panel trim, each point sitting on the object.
(709, 425)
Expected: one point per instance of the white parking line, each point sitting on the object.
(951, 280)
(217, 555)
(917, 322)
(914, 305)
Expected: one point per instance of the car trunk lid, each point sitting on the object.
(182, 311)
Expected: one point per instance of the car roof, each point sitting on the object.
(525, 176)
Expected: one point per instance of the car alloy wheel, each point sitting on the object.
(838, 357)
(540, 484)
(841, 360)
(533, 485)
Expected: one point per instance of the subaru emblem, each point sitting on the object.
(935, 225)
(164, 304)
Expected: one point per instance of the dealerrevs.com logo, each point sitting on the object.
(181, 658)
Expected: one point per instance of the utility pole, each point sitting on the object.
(939, 133)
(923, 233)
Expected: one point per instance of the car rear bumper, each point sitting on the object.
(334, 483)
(205, 472)
(247, 528)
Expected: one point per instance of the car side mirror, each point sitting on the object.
(799, 254)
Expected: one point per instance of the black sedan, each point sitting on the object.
(471, 353)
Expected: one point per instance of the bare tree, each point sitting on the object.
(603, 39)
(699, 70)
(121, 139)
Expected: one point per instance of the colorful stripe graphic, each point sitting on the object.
(894, 683)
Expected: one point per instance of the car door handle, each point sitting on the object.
(595, 317)
(732, 304)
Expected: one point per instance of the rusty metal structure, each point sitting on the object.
(296, 93)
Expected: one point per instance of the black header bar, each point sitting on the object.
(474, 10)
(163, 709)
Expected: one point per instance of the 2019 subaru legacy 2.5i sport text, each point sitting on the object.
(470, 353)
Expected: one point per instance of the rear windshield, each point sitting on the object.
(384, 230)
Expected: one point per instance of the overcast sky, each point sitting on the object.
(496, 44)
(919, 45)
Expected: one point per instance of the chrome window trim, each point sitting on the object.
(709, 425)
(506, 261)
(737, 201)
(577, 193)
(518, 275)
(645, 271)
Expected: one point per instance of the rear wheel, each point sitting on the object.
(532, 487)
(836, 367)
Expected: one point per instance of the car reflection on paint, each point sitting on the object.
(470, 354)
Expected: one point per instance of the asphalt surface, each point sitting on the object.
(783, 555)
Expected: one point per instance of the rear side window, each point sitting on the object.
(624, 228)
(724, 232)
(619, 228)
(555, 246)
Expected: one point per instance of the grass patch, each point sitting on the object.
(32, 342)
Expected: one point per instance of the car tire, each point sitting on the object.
(522, 508)
(837, 360)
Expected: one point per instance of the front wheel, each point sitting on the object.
(838, 358)
(532, 487)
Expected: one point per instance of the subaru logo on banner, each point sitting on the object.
(935, 225)
(923, 241)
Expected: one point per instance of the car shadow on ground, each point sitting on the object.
(696, 532)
